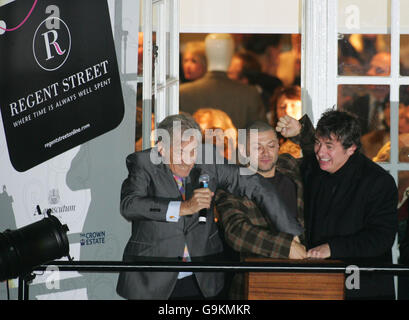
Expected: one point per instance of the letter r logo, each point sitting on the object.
(51, 48)
(53, 43)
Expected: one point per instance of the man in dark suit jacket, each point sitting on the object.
(165, 226)
(241, 102)
(350, 201)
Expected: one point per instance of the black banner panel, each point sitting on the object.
(59, 79)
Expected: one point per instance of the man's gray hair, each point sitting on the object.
(180, 121)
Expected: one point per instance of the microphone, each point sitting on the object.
(204, 183)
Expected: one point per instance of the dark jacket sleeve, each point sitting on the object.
(404, 247)
(255, 187)
(380, 225)
(306, 138)
(135, 202)
(247, 231)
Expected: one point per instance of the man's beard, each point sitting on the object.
(267, 170)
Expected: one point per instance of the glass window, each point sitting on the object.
(404, 54)
(364, 54)
(270, 63)
(371, 104)
(262, 60)
(404, 123)
(139, 103)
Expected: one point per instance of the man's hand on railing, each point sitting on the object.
(297, 250)
(321, 252)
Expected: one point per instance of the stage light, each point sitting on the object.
(23, 249)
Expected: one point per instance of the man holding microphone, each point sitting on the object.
(162, 197)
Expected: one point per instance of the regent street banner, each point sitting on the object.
(59, 83)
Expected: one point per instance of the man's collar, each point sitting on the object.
(216, 74)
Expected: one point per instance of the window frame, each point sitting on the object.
(163, 87)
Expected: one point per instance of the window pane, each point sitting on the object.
(267, 62)
(370, 103)
(140, 52)
(364, 55)
(404, 54)
(404, 124)
(278, 55)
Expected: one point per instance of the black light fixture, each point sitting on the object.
(23, 249)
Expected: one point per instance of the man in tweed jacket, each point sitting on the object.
(246, 229)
